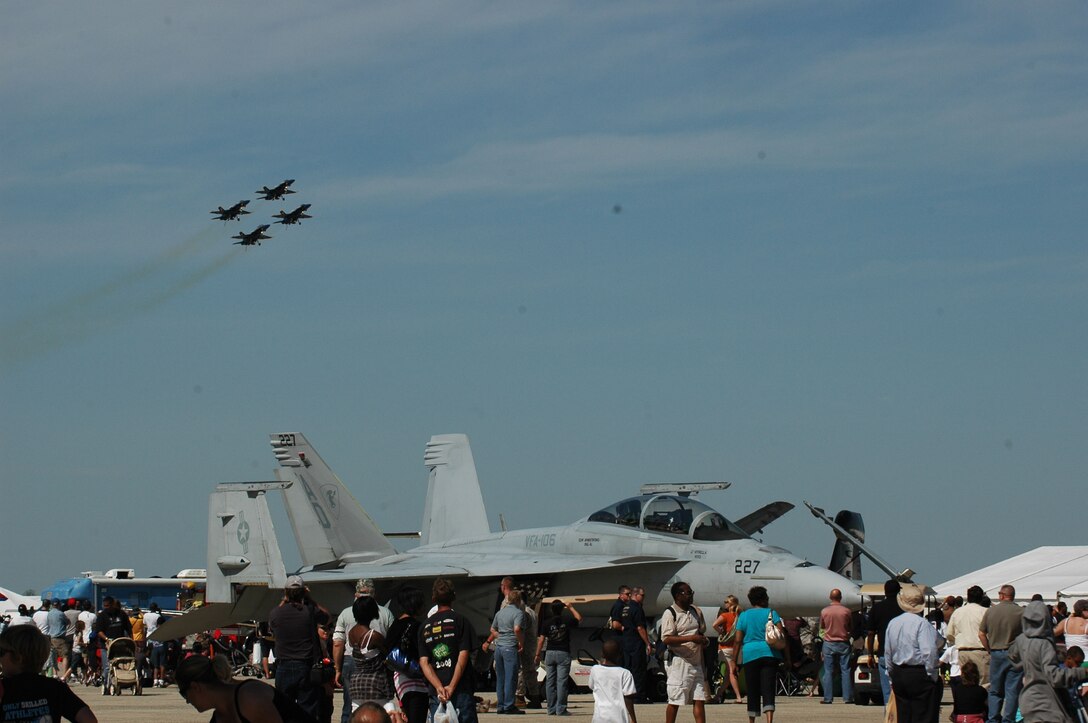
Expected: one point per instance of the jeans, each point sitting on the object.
(885, 683)
(463, 701)
(1005, 685)
(831, 651)
(293, 680)
(506, 676)
(557, 681)
(346, 670)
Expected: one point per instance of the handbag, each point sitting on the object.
(444, 713)
(399, 659)
(322, 672)
(773, 634)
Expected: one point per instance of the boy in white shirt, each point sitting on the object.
(613, 688)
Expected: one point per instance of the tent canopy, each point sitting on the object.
(1054, 572)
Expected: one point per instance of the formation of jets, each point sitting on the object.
(275, 193)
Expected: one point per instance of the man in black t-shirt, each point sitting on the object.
(555, 631)
(294, 625)
(636, 641)
(615, 624)
(111, 623)
(445, 642)
(25, 694)
(880, 615)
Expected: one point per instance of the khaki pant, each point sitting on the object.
(981, 658)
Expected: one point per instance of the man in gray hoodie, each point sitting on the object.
(1046, 680)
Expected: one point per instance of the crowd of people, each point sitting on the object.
(1002, 661)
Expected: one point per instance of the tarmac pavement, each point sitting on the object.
(165, 705)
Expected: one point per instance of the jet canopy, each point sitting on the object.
(670, 514)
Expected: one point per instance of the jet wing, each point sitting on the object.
(256, 600)
(765, 515)
(408, 566)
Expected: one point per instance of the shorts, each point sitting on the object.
(158, 655)
(60, 646)
(686, 682)
(725, 654)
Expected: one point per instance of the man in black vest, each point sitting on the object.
(294, 626)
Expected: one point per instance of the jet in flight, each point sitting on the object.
(653, 540)
(233, 213)
(276, 192)
(288, 218)
(253, 237)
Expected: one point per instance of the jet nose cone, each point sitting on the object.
(851, 595)
(809, 590)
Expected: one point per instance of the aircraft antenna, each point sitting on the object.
(684, 489)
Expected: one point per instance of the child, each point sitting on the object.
(969, 698)
(1074, 658)
(613, 688)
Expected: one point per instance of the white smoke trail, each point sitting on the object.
(103, 307)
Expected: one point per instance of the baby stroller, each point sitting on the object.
(123, 670)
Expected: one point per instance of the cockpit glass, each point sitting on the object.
(714, 527)
(625, 513)
(672, 515)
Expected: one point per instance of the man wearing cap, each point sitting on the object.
(294, 625)
(912, 649)
(963, 629)
(1000, 626)
(341, 647)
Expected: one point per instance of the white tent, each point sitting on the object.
(1053, 572)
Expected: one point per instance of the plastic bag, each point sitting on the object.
(444, 713)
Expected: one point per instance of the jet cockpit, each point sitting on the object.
(671, 515)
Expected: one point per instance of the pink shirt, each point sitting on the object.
(835, 621)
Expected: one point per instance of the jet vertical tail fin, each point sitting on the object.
(846, 557)
(455, 506)
(242, 546)
(328, 523)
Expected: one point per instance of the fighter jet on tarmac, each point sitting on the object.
(277, 192)
(294, 216)
(653, 540)
(253, 237)
(234, 213)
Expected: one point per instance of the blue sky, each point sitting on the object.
(827, 251)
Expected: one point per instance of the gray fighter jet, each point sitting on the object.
(234, 213)
(276, 192)
(253, 237)
(652, 540)
(288, 218)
